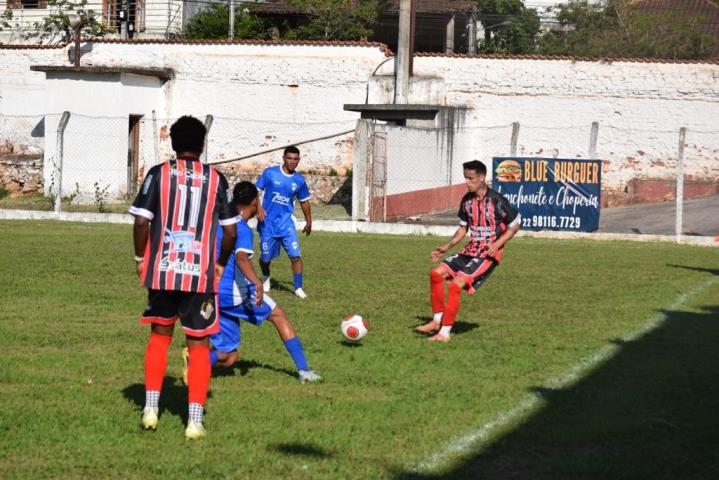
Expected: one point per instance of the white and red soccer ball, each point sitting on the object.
(354, 328)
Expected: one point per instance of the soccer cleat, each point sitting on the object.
(301, 293)
(149, 418)
(185, 364)
(429, 327)
(440, 338)
(308, 376)
(266, 284)
(195, 431)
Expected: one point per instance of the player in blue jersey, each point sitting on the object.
(281, 185)
(241, 295)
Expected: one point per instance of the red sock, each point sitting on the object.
(156, 360)
(452, 307)
(436, 282)
(198, 375)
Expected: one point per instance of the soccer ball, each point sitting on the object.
(353, 328)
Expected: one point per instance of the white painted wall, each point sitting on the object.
(265, 96)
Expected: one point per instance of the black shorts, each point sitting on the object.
(473, 270)
(197, 311)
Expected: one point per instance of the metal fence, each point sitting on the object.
(410, 174)
(653, 182)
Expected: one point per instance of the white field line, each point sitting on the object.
(474, 440)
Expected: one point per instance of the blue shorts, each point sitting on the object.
(228, 338)
(270, 245)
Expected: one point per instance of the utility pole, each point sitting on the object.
(404, 53)
(231, 34)
(124, 11)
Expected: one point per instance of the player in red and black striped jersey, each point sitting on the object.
(491, 222)
(177, 213)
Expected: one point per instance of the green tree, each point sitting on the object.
(55, 27)
(620, 30)
(337, 19)
(509, 26)
(213, 22)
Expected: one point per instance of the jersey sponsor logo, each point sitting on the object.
(179, 266)
(181, 241)
(188, 174)
(281, 199)
(477, 231)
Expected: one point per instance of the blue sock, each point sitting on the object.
(213, 357)
(297, 279)
(294, 348)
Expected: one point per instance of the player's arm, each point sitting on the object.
(512, 219)
(261, 183)
(245, 265)
(307, 211)
(140, 237)
(228, 221)
(438, 252)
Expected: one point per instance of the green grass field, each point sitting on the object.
(71, 366)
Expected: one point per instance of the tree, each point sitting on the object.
(620, 30)
(55, 27)
(213, 22)
(337, 19)
(509, 26)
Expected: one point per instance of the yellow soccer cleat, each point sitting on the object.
(149, 418)
(185, 364)
(195, 431)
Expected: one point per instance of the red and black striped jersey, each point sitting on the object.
(486, 219)
(184, 200)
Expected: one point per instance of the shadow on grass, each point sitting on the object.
(244, 366)
(713, 271)
(458, 329)
(172, 400)
(650, 411)
(299, 449)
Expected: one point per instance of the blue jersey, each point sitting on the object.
(280, 190)
(235, 289)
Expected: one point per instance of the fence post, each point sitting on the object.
(59, 147)
(593, 140)
(157, 139)
(359, 170)
(208, 125)
(515, 139)
(680, 184)
(378, 178)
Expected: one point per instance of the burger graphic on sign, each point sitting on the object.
(508, 171)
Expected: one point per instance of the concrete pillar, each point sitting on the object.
(359, 170)
(401, 71)
(472, 33)
(449, 40)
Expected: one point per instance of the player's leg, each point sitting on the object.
(293, 345)
(161, 314)
(451, 308)
(269, 249)
(199, 318)
(437, 277)
(226, 342)
(291, 244)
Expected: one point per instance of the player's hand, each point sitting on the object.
(438, 252)
(260, 213)
(307, 228)
(139, 267)
(259, 293)
(492, 250)
(219, 271)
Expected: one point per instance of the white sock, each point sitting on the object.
(445, 330)
(196, 411)
(152, 399)
(437, 317)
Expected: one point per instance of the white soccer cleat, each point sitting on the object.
(266, 284)
(195, 431)
(301, 293)
(308, 376)
(149, 418)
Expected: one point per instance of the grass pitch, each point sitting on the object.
(72, 357)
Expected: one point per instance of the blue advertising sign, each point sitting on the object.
(551, 193)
